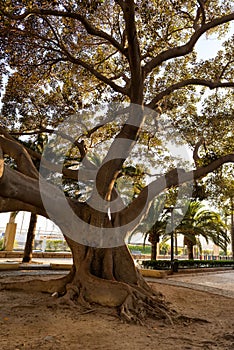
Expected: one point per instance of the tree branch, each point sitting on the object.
(90, 29)
(188, 47)
(9, 204)
(27, 193)
(56, 13)
(196, 150)
(21, 157)
(193, 81)
(224, 68)
(1, 163)
(175, 177)
(98, 75)
(24, 163)
(202, 9)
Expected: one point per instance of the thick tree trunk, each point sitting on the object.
(109, 277)
(30, 239)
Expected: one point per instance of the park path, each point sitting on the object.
(221, 283)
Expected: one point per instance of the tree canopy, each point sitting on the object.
(62, 61)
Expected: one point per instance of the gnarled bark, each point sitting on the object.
(107, 277)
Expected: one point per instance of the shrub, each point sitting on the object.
(143, 249)
(56, 245)
(1, 243)
(183, 264)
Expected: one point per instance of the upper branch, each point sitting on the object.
(193, 81)
(202, 10)
(134, 54)
(91, 29)
(196, 150)
(188, 47)
(98, 75)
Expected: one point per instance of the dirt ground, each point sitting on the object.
(31, 321)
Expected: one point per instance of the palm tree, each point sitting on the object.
(153, 234)
(154, 226)
(199, 221)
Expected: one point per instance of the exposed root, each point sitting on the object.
(137, 307)
(188, 319)
(134, 303)
(46, 286)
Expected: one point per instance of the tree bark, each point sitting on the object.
(154, 251)
(109, 277)
(190, 250)
(30, 239)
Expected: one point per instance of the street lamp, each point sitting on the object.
(174, 266)
(170, 209)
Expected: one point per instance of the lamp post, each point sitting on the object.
(172, 234)
(174, 265)
(232, 225)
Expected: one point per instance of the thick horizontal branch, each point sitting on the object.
(9, 205)
(29, 193)
(202, 82)
(176, 177)
(188, 47)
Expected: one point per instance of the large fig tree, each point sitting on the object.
(122, 73)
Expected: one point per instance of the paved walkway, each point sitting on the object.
(221, 283)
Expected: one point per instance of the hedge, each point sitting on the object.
(183, 264)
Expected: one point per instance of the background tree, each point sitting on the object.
(201, 222)
(30, 239)
(63, 55)
(222, 188)
(154, 226)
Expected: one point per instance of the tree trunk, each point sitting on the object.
(108, 277)
(154, 238)
(30, 239)
(104, 276)
(190, 250)
(154, 251)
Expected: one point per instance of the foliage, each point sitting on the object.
(56, 245)
(164, 248)
(1, 243)
(144, 249)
